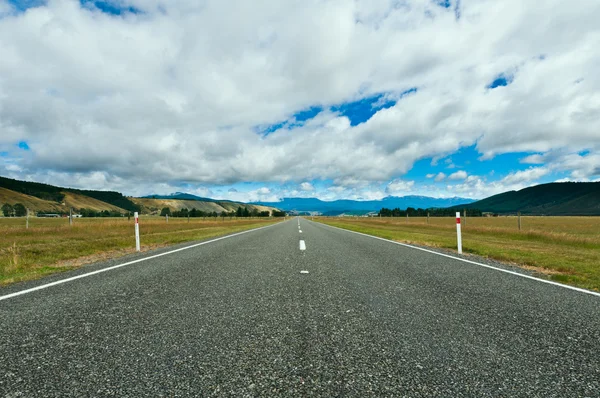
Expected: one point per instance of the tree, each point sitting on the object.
(246, 212)
(165, 211)
(20, 210)
(7, 210)
(238, 212)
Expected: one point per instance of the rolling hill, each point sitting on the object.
(151, 206)
(44, 198)
(69, 200)
(553, 199)
(54, 194)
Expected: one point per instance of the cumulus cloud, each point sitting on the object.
(396, 187)
(263, 191)
(525, 176)
(480, 187)
(440, 177)
(459, 175)
(307, 187)
(178, 91)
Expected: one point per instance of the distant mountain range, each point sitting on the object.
(554, 199)
(337, 207)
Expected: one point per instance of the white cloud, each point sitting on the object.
(459, 175)
(430, 175)
(307, 187)
(263, 191)
(399, 187)
(137, 102)
(479, 187)
(440, 177)
(525, 176)
(533, 159)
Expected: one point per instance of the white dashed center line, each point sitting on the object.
(304, 272)
(300, 231)
(302, 245)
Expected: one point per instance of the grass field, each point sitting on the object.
(51, 245)
(563, 249)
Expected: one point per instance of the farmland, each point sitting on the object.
(51, 245)
(563, 249)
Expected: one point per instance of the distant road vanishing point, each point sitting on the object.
(262, 314)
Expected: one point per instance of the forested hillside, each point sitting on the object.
(554, 199)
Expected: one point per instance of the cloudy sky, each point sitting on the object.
(250, 100)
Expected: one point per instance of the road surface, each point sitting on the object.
(254, 315)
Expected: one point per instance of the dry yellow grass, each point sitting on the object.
(565, 249)
(71, 200)
(51, 245)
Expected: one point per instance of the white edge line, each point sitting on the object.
(33, 289)
(577, 289)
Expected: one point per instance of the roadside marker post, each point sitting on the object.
(137, 232)
(458, 232)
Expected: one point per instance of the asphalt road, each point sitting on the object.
(237, 318)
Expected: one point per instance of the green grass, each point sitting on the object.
(51, 245)
(563, 249)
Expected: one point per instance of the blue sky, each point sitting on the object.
(333, 100)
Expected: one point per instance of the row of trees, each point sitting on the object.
(16, 210)
(240, 212)
(19, 210)
(103, 213)
(423, 212)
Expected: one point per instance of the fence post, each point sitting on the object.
(137, 232)
(71, 216)
(27, 220)
(465, 217)
(427, 218)
(167, 217)
(458, 232)
(519, 219)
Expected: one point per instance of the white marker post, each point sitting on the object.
(137, 232)
(458, 233)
